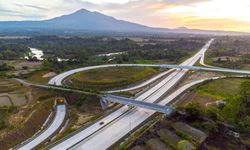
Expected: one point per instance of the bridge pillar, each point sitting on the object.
(104, 103)
(129, 106)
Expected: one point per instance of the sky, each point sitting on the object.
(229, 15)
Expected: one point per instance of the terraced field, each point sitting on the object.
(12, 93)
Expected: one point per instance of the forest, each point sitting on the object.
(85, 51)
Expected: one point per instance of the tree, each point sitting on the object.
(211, 114)
(193, 109)
(9, 55)
(245, 92)
(82, 56)
(5, 67)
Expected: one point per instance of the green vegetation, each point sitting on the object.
(11, 51)
(80, 101)
(235, 110)
(230, 52)
(26, 129)
(86, 51)
(143, 61)
(2, 124)
(134, 135)
(185, 145)
(5, 67)
(37, 77)
(220, 89)
(188, 132)
(126, 94)
(5, 111)
(169, 137)
(112, 77)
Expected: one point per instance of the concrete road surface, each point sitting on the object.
(121, 122)
(54, 126)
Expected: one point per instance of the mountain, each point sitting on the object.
(80, 20)
(84, 20)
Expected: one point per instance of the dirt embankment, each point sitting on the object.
(28, 128)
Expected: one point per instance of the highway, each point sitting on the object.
(203, 58)
(202, 62)
(57, 80)
(121, 122)
(47, 133)
(143, 84)
(129, 121)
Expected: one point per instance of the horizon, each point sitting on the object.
(192, 14)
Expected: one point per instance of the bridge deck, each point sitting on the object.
(131, 102)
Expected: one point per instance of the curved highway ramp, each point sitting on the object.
(47, 133)
(120, 122)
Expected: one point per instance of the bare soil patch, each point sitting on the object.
(5, 101)
(18, 99)
(49, 75)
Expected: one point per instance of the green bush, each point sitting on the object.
(2, 124)
(185, 145)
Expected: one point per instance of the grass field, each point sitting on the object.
(221, 89)
(113, 77)
(19, 64)
(37, 77)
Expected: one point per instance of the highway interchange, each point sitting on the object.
(120, 122)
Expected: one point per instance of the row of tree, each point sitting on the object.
(11, 51)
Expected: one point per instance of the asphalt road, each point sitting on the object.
(44, 135)
(203, 59)
(58, 80)
(121, 122)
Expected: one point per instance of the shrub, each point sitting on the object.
(185, 145)
(2, 124)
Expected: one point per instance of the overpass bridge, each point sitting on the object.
(134, 103)
(108, 98)
(195, 68)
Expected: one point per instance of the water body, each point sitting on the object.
(111, 54)
(39, 55)
(35, 53)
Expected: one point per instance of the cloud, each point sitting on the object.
(121, 8)
(185, 2)
(3, 11)
(203, 14)
(33, 6)
(218, 24)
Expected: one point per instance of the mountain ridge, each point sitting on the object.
(95, 21)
